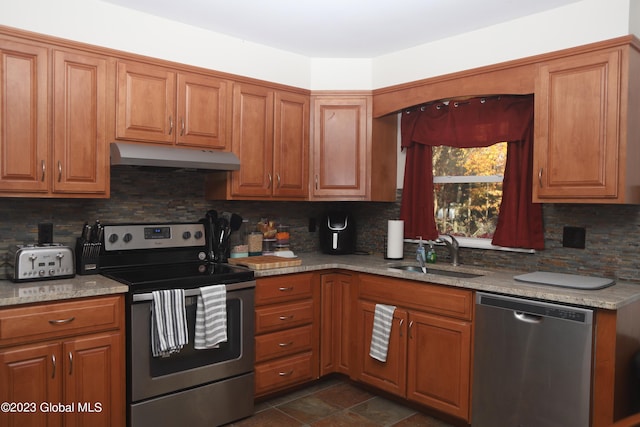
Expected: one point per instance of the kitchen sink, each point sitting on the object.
(448, 273)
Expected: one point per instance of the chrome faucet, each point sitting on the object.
(453, 247)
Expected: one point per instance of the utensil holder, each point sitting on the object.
(87, 257)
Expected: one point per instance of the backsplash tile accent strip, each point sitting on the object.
(155, 195)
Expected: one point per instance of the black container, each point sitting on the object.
(338, 233)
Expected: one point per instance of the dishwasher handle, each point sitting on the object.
(527, 318)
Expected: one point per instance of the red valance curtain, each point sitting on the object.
(476, 122)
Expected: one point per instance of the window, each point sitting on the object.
(468, 189)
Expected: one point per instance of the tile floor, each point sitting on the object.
(335, 403)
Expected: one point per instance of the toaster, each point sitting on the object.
(40, 262)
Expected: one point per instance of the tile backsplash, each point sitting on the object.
(155, 195)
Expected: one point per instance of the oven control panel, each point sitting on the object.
(153, 236)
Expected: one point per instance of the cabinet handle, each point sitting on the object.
(401, 323)
(289, 317)
(285, 374)
(410, 330)
(288, 289)
(44, 169)
(62, 321)
(53, 363)
(70, 363)
(278, 179)
(540, 177)
(270, 180)
(285, 344)
(170, 125)
(181, 126)
(59, 171)
(316, 181)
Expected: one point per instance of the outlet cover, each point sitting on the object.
(573, 237)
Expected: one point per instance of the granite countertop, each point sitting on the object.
(58, 289)
(495, 281)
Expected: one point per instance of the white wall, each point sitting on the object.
(577, 24)
(104, 24)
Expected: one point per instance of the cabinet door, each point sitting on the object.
(202, 111)
(576, 128)
(94, 380)
(23, 118)
(340, 147)
(252, 141)
(31, 375)
(80, 161)
(145, 108)
(391, 375)
(439, 363)
(335, 344)
(290, 148)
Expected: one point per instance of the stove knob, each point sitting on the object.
(127, 237)
(198, 235)
(52, 272)
(41, 273)
(202, 256)
(186, 235)
(113, 238)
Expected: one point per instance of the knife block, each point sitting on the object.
(87, 257)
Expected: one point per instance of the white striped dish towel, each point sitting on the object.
(168, 322)
(211, 317)
(382, 321)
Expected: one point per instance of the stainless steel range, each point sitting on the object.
(194, 387)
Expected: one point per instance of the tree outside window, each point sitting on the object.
(468, 189)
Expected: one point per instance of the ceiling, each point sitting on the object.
(341, 28)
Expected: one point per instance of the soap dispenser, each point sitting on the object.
(431, 254)
(421, 256)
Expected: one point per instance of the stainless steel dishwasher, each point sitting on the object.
(532, 363)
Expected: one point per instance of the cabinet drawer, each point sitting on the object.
(272, 290)
(44, 321)
(432, 298)
(283, 343)
(282, 316)
(281, 373)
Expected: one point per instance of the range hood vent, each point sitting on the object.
(171, 157)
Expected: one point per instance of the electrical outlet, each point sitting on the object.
(573, 237)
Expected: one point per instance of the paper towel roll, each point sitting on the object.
(395, 239)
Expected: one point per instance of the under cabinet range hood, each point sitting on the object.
(172, 157)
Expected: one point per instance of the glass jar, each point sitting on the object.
(239, 241)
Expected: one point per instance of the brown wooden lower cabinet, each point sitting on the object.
(429, 356)
(286, 328)
(71, 355)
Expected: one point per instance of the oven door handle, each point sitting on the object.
(196, 291)
(149, 296)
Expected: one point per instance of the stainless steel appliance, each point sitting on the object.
(191, 387)
(40, 262)
(338, 233)
(532, 363)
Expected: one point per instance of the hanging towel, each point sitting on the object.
(382, 321)
(168, 322)
(211, 317)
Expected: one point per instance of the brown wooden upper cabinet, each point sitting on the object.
(587, 132)
(353, 157)
(270, 136)
(71, 159)
(161, 105)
